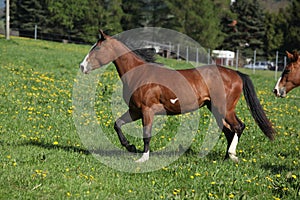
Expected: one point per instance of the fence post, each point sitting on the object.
(197, 59)
(237, 60)
(208, 56)
(35, 32)
(178, 51)
(276, 65)
(187, 54)
(7, 20)
(254, 60)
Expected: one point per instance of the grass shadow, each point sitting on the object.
(52, 146)
(276, 169)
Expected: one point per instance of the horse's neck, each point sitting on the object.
(126, 60)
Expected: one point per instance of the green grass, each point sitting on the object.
(42, 156)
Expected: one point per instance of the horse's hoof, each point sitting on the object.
(233, 158)
(131, 148)
(144, 158)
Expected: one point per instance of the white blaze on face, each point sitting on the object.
(84, 64)
(277, 87)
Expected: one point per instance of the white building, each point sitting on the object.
(223, 57)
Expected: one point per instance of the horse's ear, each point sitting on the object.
(102, 35)
(289, 55)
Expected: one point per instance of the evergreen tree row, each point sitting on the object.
(243, 25)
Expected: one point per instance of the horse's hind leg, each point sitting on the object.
(127, 117)
(233, 128)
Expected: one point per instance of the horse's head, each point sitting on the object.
(290, 77)
(101, 53)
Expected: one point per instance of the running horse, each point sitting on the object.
(290, 77)
(151, 89)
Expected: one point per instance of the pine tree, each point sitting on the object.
(112, 17)
(197, 19)
(67, 17)
(25, 14)
(274, 33)
(249, 32)
(133, 17)
(143, 13)
(292, 35)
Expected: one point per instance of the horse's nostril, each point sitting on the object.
(81, 67)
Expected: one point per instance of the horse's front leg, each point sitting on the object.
(127, 117)
(147, 118)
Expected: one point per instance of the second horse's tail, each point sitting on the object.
(255, 107)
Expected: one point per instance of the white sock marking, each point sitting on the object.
(173, 101)
(144, 158)
(232, 148)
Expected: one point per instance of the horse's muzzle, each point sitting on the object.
(83, 69)
(279, 92)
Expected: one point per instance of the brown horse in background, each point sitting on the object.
(290, 77)
(151, 89)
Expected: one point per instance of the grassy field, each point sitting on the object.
(42, 155)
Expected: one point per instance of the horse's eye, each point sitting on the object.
(97, 48)
(287, 71)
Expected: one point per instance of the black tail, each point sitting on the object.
(255, 107)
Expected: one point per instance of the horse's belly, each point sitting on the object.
(177, 106)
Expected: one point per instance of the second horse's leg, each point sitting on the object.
(127, 117)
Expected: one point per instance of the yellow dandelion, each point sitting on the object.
(278, 175)
(270, 179)
(55, 143)
(197, 174)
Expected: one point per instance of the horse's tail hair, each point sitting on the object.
(255, 107)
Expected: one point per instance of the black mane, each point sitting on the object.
(147, 54)
(137, 47)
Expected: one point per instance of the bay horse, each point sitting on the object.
(290, 77)
(151, 89)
